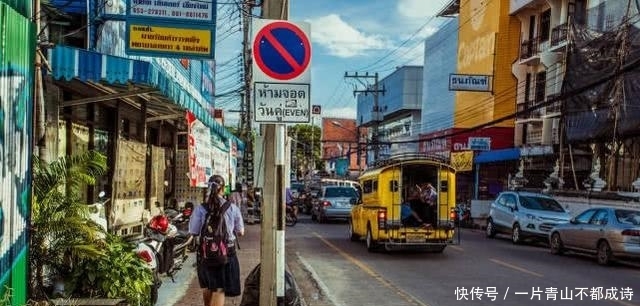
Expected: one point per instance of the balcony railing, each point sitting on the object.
(529, 48)
(559, 34)
(554, 107)
(529, 113)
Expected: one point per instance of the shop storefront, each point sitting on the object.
(134, 112)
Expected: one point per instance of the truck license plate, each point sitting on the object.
(415, 237)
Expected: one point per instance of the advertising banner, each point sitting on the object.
(168, 40)
(462, 161)
(199, 152)
(17, 35)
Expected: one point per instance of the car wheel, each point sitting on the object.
(490, 231)
(604, 253)
(556, 245)
(352, 235)
(371, 244)
(516, 234)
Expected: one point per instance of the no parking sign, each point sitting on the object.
(281, 52)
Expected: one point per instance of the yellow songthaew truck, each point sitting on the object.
(376, 218)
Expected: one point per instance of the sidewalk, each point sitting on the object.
(249, 257)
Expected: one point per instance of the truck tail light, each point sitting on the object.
(326, 203)
(382, 218)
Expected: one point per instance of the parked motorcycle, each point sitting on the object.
(290, 218)
(461, 215)
(144, 249)
(169, 243)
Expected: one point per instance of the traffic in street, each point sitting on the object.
(477, 271)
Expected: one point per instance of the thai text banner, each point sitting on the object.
(469, 82)
(193, 11)
(462, 161)
(150, 40)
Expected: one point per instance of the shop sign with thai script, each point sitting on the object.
(469, 82)
(193, 11)
(282, 103)
(167, 40)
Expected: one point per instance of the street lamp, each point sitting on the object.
(357, 135)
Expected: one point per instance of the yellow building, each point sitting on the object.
(488, 41)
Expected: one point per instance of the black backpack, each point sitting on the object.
(214, 238)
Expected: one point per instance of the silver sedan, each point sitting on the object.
(609, 233)
(334, 202)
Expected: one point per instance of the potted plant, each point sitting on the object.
(61, 232)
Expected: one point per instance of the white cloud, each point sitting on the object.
(341, 39)
(420, 9)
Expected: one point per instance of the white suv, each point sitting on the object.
(524, 215)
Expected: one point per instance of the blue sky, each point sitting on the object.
(353, 35)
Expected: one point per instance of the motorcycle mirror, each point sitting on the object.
(102, 194)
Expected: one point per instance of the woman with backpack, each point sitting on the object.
(217, 224)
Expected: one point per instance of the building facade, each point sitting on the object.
(397, 114)
(150, 115)
(559, 123)
(342, 147)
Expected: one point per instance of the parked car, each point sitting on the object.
(524, 215)
(334, 202)
(609, 233)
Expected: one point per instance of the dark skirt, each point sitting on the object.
(226, 277)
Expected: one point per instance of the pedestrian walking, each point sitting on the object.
(239, 198)
(224, 280)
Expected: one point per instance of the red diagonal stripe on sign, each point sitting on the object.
(282, 50)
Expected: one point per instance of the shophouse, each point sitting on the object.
(116, 86)
(343, 149)
(560, 124)
(396, 111)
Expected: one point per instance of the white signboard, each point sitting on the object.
(282, 103)
(468, 82)
(192, 10)
(199, 152)
(479, 143)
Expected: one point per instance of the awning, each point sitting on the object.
(68, 63)
(71, 6)
(484, 157)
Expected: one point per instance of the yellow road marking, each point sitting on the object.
(405, 295)
(508, 265)
(457, 248)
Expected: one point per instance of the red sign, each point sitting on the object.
(282, 50)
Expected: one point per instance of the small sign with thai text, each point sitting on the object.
(469, 82)
(282, 103)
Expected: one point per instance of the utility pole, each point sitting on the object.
(272, 225)
(245, 103)
(376, 114)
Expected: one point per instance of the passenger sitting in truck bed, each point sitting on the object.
(408, 216)
(410, 209)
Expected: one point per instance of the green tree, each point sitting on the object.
(305, 147)
(61, 232)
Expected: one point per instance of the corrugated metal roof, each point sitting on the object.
(23, 7)
(70, 63)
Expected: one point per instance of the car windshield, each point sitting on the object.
(336, 192)
(539, 203)
(631, 217)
